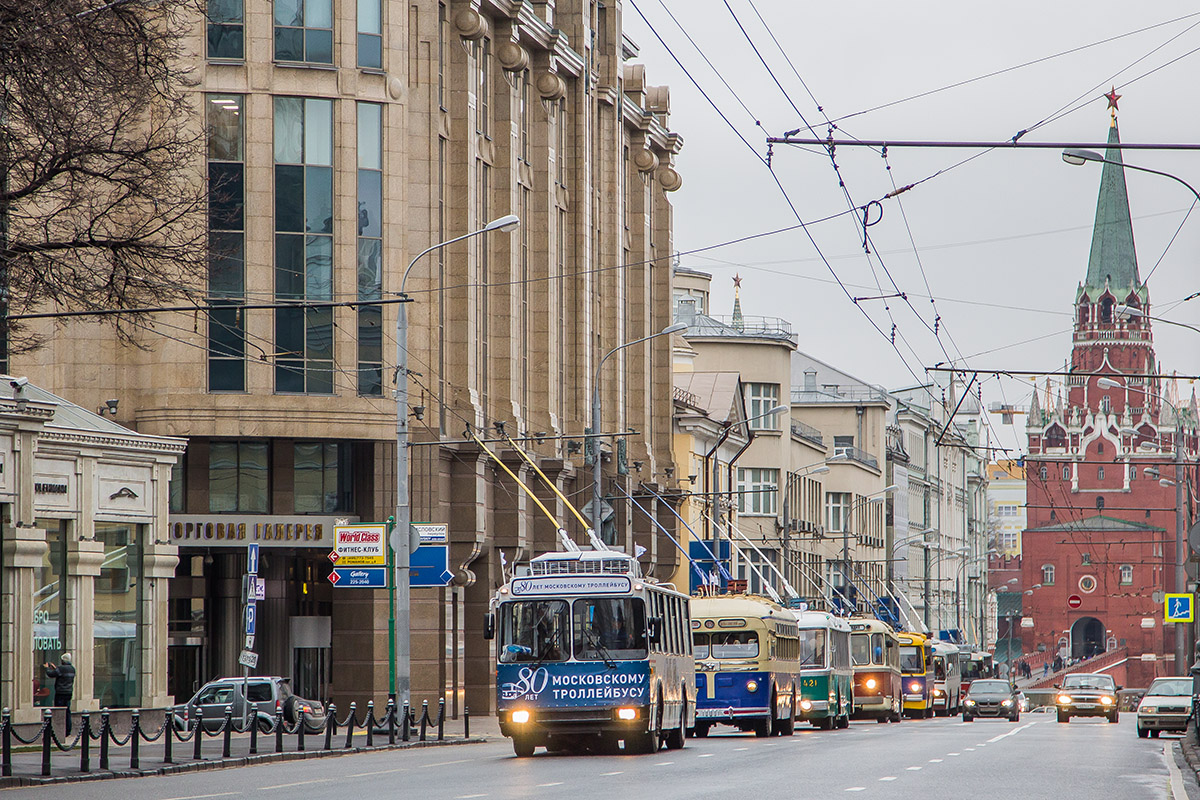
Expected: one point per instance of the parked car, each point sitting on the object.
(1087, 694)
(268, 695)
(1166, 706)
(991, 697)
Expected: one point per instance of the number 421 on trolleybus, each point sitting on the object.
(591, 655)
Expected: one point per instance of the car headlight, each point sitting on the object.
(1106, 700)
(1147, 709)
(914, 687)
(1006, 703)
(520, 716)
(1064, 698)
(871, 683)
(752, 686)
(970, 702)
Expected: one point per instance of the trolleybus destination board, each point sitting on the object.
(576, 684)
(571, 584)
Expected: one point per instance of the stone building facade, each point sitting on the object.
(345, 137)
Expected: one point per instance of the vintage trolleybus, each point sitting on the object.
(875, 654)
(916, 657)
(591, 656)
(826, 677)
(975, 664)
(747, 664)
(947, 679)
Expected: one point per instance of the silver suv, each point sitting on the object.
(267, 696)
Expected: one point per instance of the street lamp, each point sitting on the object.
(862, 501)
(1076, 156)
(401, 664)
(1180, 550)
(1132, 311)
(597, 470)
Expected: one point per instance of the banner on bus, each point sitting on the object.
(575, 684)
(571, 584)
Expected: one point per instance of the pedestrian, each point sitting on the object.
(64, 684)
(1028, 669)
(1045, 669)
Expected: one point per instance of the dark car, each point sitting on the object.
(991, 697)
(1087, 694)
(267, 696)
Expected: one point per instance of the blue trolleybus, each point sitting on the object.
(747, 664)
(592, 657)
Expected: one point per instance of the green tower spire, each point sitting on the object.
(1112, 257)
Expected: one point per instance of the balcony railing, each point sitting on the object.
(766, 327)
(845, 392)
(854, 454)
(802, 431)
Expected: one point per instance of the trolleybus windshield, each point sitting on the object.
(910, 659)
(610, 629)
(735, 644)
(812, 648)
(534, 630)
(866, 648)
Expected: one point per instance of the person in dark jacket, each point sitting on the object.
(64, 684)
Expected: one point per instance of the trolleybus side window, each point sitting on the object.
(609, 629)
(839, 650)
(700, 640)
(534, 630)
(735, 644)
(812, 648)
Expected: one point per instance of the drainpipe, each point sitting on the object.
(729, 468)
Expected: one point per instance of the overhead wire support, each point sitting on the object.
(946, 143)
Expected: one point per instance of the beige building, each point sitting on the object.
(345, 137)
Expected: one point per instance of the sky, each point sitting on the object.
(1000, 242)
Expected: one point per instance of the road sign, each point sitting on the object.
(251, 559)
(359, 577)
(248, 659)
(258, 588)
(1179, 608)
(251, 617)
(249, 643)
(359, 546)
(1074, 601)
(432, 532)
(430, 566)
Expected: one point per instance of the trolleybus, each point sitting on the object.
(947, 679)
(975, 664)
(592, 656)
(875, 654)
(826, 677)
(915, 669)
(747, 664)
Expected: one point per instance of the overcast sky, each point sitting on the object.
(1003, 240)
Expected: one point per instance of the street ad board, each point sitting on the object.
(359, 545)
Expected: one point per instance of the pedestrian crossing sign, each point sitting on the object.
(1179, 608)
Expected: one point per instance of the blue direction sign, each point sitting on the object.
(251, 559)
(430, 566)
(359, 577)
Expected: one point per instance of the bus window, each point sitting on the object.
(700, 640)
(877, 656)
(910, 659)
(939, 668)
(735, 644)
(812, 648)
(534, 630)
(860, 649)
(607, 629)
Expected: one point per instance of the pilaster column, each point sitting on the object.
(158, 567)
(23, 553)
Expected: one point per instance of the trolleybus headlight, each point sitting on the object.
(806, 705)
(1106, 700)
(870, 684)
(914, 687)
(626, 713)
(1064, 698)
(752, 686)
(520, 716)
(937, 692)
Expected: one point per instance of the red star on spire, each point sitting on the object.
(737, 281)
(1113, 97)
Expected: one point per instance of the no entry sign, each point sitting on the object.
(1074, 601)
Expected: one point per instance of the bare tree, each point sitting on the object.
(102, 204)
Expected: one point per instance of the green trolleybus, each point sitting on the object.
(826, 677)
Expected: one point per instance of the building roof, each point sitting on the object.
(718, 394)
(1112, 257)
(1096, 524)
(67, 414)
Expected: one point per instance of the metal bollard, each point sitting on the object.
(198, 735)
(6, 744)
(424, 717)
(391, 718)
(406, 722)
(254, 732)
(105, 730)
(47, 732)
(300, 728)
(330, 726)
(135, 733)
(278, 731)
(168, 736)
(370, 723)
(85, 736)
(466, 722)
(228, 731)
(441, 718)
(350, 726)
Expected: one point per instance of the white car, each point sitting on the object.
(1166, 706)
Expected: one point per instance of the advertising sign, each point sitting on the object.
(571, 584)
(359, 546)
(359, 577)
(432, 532)
(577, 684)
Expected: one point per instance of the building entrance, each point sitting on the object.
(1087, 638)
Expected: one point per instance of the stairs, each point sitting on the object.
(1098, 663)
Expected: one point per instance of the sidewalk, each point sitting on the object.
(66, 766)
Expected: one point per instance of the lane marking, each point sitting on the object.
(1177, 790)
(1010, 733)
(954, 754)
(888, 778)
(914, 769)
(447, 763)
(606, 774)
(969, 749)
(386, 772)
(545, 785)
(664, 763)
(470, 796)
(706, 755)
(739, 749)
(290, 785)
(936, 760)
(857, 789)
(200, 796)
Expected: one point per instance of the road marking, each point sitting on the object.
(664, 763)
(607, 774)
(386, 772)
(857, 789)
(1010, 733)
(914, 768)
(290, 785)
(200, 796)
(738, 749)
(447, 763)
(969, 749)
(705, 755)
(954, 754)
(1177, 790)
(936, 760)
(546, 785)
(888, 778)
(470, 796)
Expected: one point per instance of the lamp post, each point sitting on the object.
(862, 501)
(1181, 650)
(401, 534)
(597, 467)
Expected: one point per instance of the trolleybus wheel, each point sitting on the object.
(762, 727)
(825, 724)
(522, 747)
(677, 736)
(701, 730)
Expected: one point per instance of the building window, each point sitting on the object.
(1066, 473)
(304, 31)
(837, 511)
(370, 34)
(523, 117)
(177, 489)
(304, 243)
(1042, 473)
(1126, 574)
(323, 480)
(1099, 473)
(50, 607)
(483, 83)
(370, 248)
(757, 491)
(1100, 445)
(1047, 575)
(1132, 471)
(1007, 510)
(483, 272)
(225, 124)
(763, 397)
(117, 652)
(564, 142)
(226, 19)
(443, 36)
(237, 477)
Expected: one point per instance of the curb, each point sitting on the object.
(1191, 753)
(223, 763)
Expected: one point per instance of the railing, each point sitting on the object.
(803, 431)
(769, 327)
(843, 392)
(684, 396)
(404, 725)
(854, 454)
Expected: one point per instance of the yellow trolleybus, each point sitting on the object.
(916, 665)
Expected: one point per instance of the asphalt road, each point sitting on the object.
(930, 760)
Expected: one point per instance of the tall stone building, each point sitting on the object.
(344, 138)
(1099, 549)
